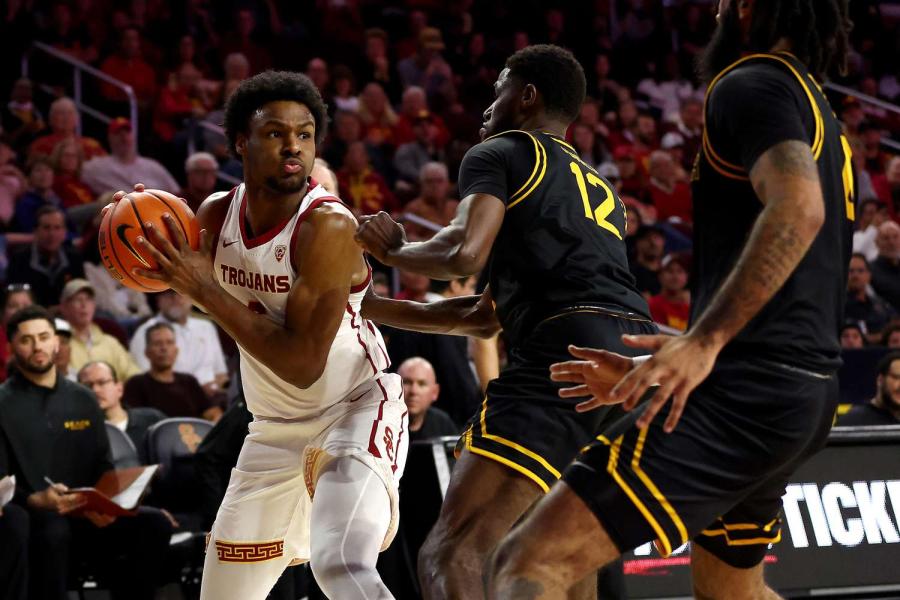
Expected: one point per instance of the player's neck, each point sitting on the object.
(541, 122)
(266, 209)
(782, 45)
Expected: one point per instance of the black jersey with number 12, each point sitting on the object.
(562, 239)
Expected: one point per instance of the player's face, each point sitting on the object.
(280, 146)
(503, 114)
(890, 387)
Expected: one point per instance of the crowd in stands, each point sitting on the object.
(406, 85)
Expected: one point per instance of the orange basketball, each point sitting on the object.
(122, 225)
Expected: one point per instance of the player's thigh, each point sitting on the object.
(560, 538)
(243, 576)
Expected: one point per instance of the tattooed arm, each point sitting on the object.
(786, 180)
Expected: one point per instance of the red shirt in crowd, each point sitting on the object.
(43, 146)
(667, 312)
(72, 191)
(676, 203)
(366, 193)
(135, 72)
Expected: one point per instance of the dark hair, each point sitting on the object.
(157, 327)
(884, 365)
(877, 202)
(862, 257)
(112, 371)
(887, 331)
(29, 313)
(272, 86)
(555, 73)
(439, 286)
(47, 209)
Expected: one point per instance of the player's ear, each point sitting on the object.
(529, 95)
(240, 144)
(745, 8)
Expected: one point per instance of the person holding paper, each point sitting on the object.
(51, 429)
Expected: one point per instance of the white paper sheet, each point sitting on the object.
(7, 489)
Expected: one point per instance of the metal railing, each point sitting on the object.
(867, 99)
(78, 68)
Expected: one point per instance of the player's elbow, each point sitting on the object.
(466, 261)
(811, 217)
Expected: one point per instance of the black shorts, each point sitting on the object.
(523, 423)
(719, 477)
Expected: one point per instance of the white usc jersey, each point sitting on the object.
(259, 272)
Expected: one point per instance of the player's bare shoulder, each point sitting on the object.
(212, 212)
(329, 225)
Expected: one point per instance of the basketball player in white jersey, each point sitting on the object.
(279, 270)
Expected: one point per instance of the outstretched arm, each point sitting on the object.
(467, 315)
(459, 250)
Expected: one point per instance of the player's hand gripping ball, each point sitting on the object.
(125, 220)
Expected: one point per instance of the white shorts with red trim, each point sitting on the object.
(265, 515)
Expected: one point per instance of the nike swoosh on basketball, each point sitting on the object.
(226, 244)
(120, 231)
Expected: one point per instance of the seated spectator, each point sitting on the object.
(432, 203)
(128, 66)
(13, 549)
(415, 287)
(319, 73)
(22, 121)
(633, 180)
(672, 198)
(586, 143)
(77, 305)
(892, 184)
(890, 337)
(673, 144)
(852, 336)
(67, 162)
(420, 391)
(323, 175)
(114, 300)
(245, 39)
(40, 193)
(64, 125)
(100, 378)
(412, 108)
(886, 267)
(427, 69)
(377, 66)
(199, 350)
(48, 263)
(870, 214)
(649, 245)
(345, 97)
(202, 171)
(236, 67)
(64, 354)
(672, 306)
(347, 129)
(12, 183)
(39, 411)
(378, 118)
(364, 190)
(175, 394)
(864, 306)
(884, 408)
(182, 98)
(690, 127)
(18, 296)
(412, 156)
(125, 167)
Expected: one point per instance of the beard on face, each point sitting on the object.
(30, 367)
(286, 185)
(887, 400)
(725, 46)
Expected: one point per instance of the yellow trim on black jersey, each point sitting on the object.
(742, 542)
(540, 167)
(733, 171)
(500, 440)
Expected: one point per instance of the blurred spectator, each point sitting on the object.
(64, 352)
(186, 53)
(852, 115)
(213, 135)
(852, 337)
(22, 121)
(415, 287)
(345, 97)
(67, 161)
(870, 214)
(64, 33)
(199, 350)
(128, 66)
(673, 145)
(364, 190)
(412, 156)
(346, 130)
(40, 193)
(201, 170)
(590, 149)
(672, 306)
(378, 118)
(54, 430)
(64, 120)
(690, 127)
(114, 300)
(892, 181)
(48, 263)
(181, 99)
(890, 337)
(432, 203)
(876, 158)
(649, 244)
(377, 65)
(886, 267)
(161, 387)
(323, 174)
(863, 305)
(244, 39)
(633, 181)
(12, 183)
(380, 284)
(237, 67)
(125, 167)
(427, 69)
(420, 391)
(100, 378)
(884, 408)
(665, 87)
(671, 197)
(89, 343)
(318, 73)
(605, 89)
(17, 297)
(414, 108)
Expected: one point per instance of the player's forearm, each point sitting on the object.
(466, 315)
(786, 180)
(297, 359)
(445, 256)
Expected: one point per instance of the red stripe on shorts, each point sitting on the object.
(373, 449)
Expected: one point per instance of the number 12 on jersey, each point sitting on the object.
(597, 215)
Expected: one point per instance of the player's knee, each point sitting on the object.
(332, 568)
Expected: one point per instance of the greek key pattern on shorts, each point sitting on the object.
(248, 552)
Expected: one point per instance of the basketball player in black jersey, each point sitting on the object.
(752, 383)
(549, 230)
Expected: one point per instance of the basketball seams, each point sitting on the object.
(174, 213)
(115, 255)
